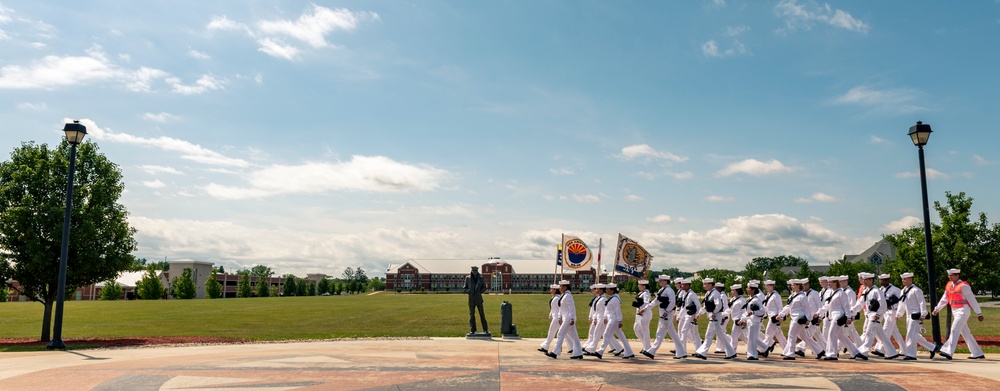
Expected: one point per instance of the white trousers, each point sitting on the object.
(891, 329)
(913, 338)
(610, 333)
(715, 329)
(568, 331)
(960, 326)
(689, 330)
(641, 328)
(798, 331)
(590, 333)
(773, 333)
(664, 328)
(872, 331)
(738, 333)
(553, 330)
(753, 343)
(838, 336)
(599, 336)
(813, 332)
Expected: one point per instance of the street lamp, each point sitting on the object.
(919, 133)
(74, 136)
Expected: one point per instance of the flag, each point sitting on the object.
(631, 258)
(559, 256)
(577, 254)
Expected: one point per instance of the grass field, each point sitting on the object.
(380, 315)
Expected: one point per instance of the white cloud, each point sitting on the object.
(638, 151)
(276, 48)
(899, 225)
(188, 151)
(586, 198)
(154, 169)
(718, 198)
(735, 31)
(32, 106)
(681, 175)
(873, 139)
(199, 55)
(549, 197)
(711, 49)
(204, 84)
(817, 197)
(159, 117)
(5, 14)
(561, 171)
(223, 23)
(931, 174)
(633, 198)
(892, 100)
(659, 219)
(802, 17)
(978, 159)
(755, 167)
(141, 80)
(155, 184)
(361, 173)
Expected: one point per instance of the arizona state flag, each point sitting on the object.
(631, 258)
(576, 254)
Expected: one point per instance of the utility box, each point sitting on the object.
(507, 326)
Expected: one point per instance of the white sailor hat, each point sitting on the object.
(708, 281)
(842, 278)
(736, 286)
(954, 271)
(824, 278)
(678, 280)
(686, 281)
(755, 281)
(720, 285)
(769, 282)
(664, 277)
(593, 286)
(803, 281)
(563, 282)
(554, 286)
(906, 275)
(611, 286)
(752, 284)
(865, 276)
(883, 276)
(643, 282)
(600, 286)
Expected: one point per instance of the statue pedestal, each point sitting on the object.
(481, 335)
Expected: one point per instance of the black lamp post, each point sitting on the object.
(919, 133)
(74, 135)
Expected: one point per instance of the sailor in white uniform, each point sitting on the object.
(613, 320)
(592, 314)
(715, 308)
(721, 288)
(852, 297)
(690, 306)
(772, 304)
(814, 302)
(800, 310)
(892, 295)
(958, 295)
(737, 307)
(752, 319)
(553, 319)
(838, 310)
(567, 323)
(874, 306)
(602, 311)
(666, 301)
(644, 308)
(913, 309)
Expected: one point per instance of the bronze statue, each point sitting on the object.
(474, 287)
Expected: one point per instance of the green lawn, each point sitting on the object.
(384, 314)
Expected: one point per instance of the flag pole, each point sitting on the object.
(562, 265)
(600, 243)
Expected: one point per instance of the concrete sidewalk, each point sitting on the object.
(459, 364)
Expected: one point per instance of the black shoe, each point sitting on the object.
(937, 349)
(730, 357)
(845, 351)
(553, 355)
(829, 359)
(908, 358)
(600, 356)
(753, 359)
(765, 353)
(861, 356)
(618, 353)
(678, 358)
(948, 356)
(645, 353)
(673, 352)
(543, 350)
(696, 355)
(629, 357)
(878, 353)
(580, 357)
(800, 353)
(586, 353)
(788, 358)
(720, 352)
(821, 355)
(771, 348)
(893, 357)
(977, 358)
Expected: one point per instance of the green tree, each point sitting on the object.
(32, 203)
(376, 284)
(338, 288)
(261, 271)
(348, 274)
(324, 286)
(3, 293)
(312, 289)
(289, 289)
(149, 287)
(183, 286)
(360, 276)
(300, 288)
(111, 291)
(138, 264)
(213, 288)
(263, 287)
(243, 284)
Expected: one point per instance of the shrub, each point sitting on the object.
(111, 291)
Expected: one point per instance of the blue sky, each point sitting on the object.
(314, 136)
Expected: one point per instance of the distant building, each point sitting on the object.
(500, 275)
(879, 253)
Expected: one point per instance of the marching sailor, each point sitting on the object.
(892, 296)
(721, 288)
(714, 307)
(838, 310)
(958, 295)
(772, 303)
(687, 325)
(851, 332)
(666, 301)
(644, 305)
(592, 314)
(913, 307)
(737, 307)
(567, 323)
(799, 309)
(613, 320)
(601, 312)
(814, 301)
(824, 296)
(553, 318)
(751, 319)
(874, 306)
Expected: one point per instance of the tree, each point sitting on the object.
(300, 288)
(149, 287)
(263, 287)
(312, 289)
(360, 276)
(213, 288)
(222, 269)
(289, 289)
(243, 285)
(111, 291)
(261, 271)
(348, 274)
(324, 286)
(138, 264)
(183, 286)
(337, 288)
(3, 293)
(376, 284)
(32, 204)
(961, 242)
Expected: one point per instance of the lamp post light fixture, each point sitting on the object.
(74, 136)
(920, 133)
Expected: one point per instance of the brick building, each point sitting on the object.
(500, 275)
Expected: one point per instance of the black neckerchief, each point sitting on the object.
(768, 298)
(608, 300)
(792, 297)
(906, 292)
(660, 293)
(733, 301)
(592, 301)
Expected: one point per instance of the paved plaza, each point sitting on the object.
(459, 364)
